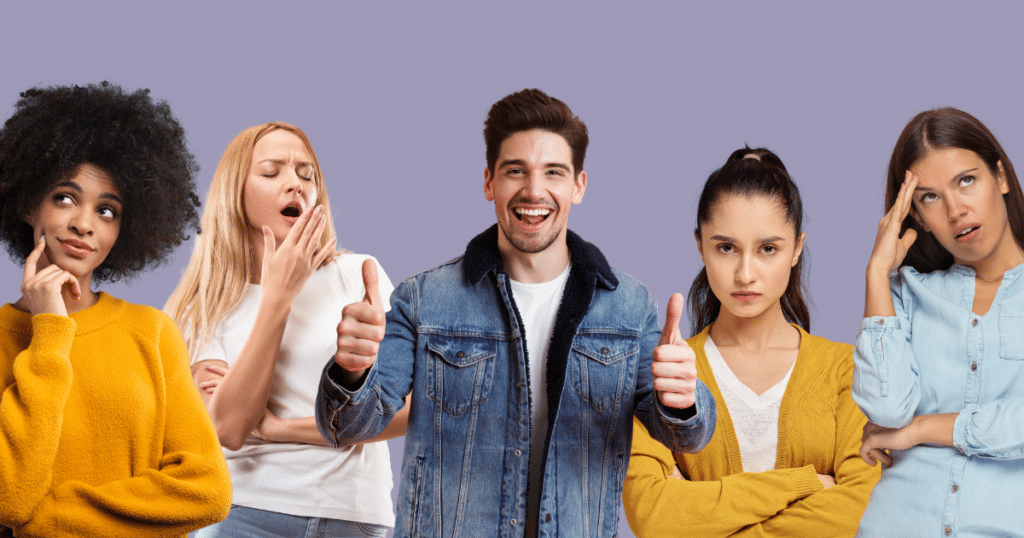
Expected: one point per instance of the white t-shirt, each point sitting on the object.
(350, 483)
(755, 417)
(538, 306)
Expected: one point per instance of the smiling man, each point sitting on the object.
(527, 357)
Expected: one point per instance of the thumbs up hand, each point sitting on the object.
(362, 327)
(674, 364)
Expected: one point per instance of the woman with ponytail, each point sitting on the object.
(784, 458)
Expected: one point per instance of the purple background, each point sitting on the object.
(393, 98)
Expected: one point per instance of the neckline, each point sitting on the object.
(97, 316)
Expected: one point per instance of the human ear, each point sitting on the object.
(1004, 186)
(488, 192)
(579, 187)
(799, 248)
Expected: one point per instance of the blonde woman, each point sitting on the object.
(259, 304)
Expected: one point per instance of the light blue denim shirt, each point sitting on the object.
(937, 356)
(454, 337)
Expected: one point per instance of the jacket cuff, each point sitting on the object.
(334, 386)
(704, 412)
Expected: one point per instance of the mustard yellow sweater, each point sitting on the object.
(102, 432)
(819, 432)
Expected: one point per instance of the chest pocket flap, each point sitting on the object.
(462, 372)
(1011, 332)
(601, 366)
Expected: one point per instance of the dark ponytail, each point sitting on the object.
(750, 172)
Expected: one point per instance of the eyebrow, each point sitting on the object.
(956, 178)
(520, 162)
(727, 239)
(282, 161)
(78, 188)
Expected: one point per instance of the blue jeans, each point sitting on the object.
(244, 522)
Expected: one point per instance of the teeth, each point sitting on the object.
(967, 231)
(533, 212)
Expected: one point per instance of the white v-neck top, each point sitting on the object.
(755, 417)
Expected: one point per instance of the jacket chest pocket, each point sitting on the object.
(461, 370)
(1011, 332)
(599, 365)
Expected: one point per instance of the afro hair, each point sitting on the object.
(134, 139)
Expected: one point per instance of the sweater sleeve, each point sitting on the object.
(836, 511)
(659, 505)
(188, 489)
(31, 417)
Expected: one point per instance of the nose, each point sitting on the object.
(745, 269)
(81, 222)
(955, 207)
(533, 187)
(293, 183)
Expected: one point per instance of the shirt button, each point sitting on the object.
(514, 523)
(547, 518)
(460, 354)
(605, 351)
(880, 322)
(520, 453)
(974, 323)
(954, 488)
(974, 366)
(948, 530)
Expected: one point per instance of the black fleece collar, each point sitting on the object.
(482, 256)
(589, 270)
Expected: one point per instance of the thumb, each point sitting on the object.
(370, 282)
(269, 244)
(908, 239)
(671, 334)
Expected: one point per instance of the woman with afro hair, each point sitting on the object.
(102, 432)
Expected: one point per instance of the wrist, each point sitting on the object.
(276, 302)
(876, 272)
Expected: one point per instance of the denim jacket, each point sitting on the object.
(937, 356)
(454, 338)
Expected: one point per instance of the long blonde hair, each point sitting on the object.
(222, 262)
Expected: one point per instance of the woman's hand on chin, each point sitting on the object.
(43, 289)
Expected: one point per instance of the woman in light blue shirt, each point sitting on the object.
(940, 353)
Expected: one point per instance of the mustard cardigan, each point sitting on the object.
(102, 432)
(819, 432)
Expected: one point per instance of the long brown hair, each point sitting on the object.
(944, 128)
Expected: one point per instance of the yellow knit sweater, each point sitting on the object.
(102, 432)
(819, 432)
